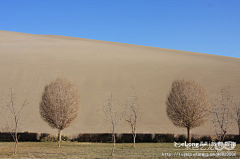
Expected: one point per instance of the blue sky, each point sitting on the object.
(205, 26)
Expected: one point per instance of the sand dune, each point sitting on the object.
(28, 62)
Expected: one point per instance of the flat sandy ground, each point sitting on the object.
(97, 150)
(98, 68)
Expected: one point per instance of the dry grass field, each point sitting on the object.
(92, 150)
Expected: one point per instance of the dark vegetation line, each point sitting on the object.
(107, 138)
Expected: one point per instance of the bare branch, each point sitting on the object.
(132, 115)
(112, 116)
(236, 112)
(59, 105)
(15, 110)
(187, 105)
(220, 113)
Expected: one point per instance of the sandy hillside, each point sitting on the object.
(29, 62)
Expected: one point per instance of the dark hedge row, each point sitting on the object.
(127, 138)
(124, 138)
(208, 138)
(107, 137)
(22, 136)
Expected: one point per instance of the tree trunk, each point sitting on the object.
(188, 135)
(223, 136)
(134, 139)
(59, 137)
(114, 140)
(239, 129)
(15, 148)
(16, 142)
(238, 140)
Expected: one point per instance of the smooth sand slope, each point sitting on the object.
(29, 62)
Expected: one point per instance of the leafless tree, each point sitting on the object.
(236, 113)
(187, 105)
(113, 117)
(59, 105)
(221, 113)
(15, 111)
(132, 115)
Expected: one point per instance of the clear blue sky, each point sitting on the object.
(205, 26)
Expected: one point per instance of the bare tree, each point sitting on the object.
(59, 105)
(132, 115)
(16, 114)
(187, 105)
(112, 116)
(236, 113)
(221, 113)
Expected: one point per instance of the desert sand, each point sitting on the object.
(28, 62)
